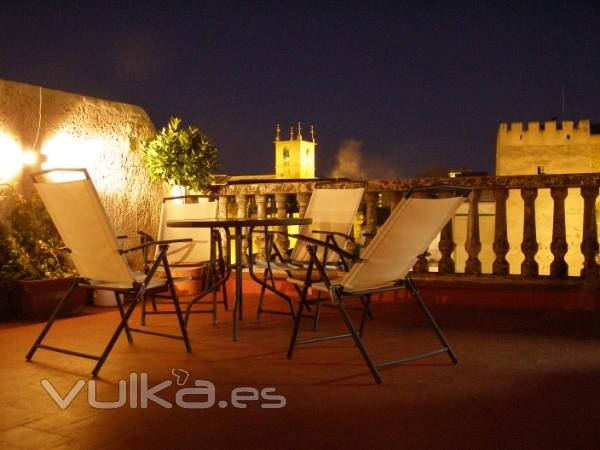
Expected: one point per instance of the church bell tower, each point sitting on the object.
(295, 157)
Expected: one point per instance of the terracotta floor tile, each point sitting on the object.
(526, 379)
(29, 438)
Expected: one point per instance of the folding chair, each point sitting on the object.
(79, 217)
(197, 252)
(384, 266)
(332, 212)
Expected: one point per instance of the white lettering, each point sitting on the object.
(265, 394)
(107, 405)
(203, 388)
(149, 394)
(238, 396)
(133, 390)
(63, 403)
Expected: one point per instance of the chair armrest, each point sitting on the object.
(271, 245)
(147, 244)
(145, 237)
(341, 252)
(334, 233)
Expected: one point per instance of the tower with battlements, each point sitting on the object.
(547, 147)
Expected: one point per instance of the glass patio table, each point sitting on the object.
(238, 225)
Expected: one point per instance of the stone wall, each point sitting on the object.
(555, 148)
(72, 130)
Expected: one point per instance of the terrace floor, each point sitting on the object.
(526, 379)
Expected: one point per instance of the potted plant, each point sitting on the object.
(35, 269)
(184, 158)
(181, 156)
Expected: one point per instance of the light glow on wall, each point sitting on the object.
(11, 158)
(68, 151)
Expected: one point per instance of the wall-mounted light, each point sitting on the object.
(29, 158)
(11, 158)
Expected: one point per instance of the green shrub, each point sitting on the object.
(30, 246)
(184, 157)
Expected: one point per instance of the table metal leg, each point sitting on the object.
(237, 308)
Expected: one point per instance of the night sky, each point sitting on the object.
(412, 84)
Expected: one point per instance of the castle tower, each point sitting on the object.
(547, 147)
(295, 157)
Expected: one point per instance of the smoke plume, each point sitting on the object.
(349, 162)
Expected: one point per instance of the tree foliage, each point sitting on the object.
(184, 157)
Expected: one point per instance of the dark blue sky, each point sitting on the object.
(417, 83)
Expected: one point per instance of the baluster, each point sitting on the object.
(303, 198)
(446, 245)
(559, 267)
(261, 213)
(589, 241)
(222, 213)
(473, 244)
(395, 198)
(529, 246)
(501, 245)
(370, 228)
(422, 264)
(241, 201)
(282, 241)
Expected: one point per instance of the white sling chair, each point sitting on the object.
(79, 217)
(383, 266)
(332, 212)
(197, 251)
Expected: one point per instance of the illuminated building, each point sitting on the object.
(547, 148)
(295, 157)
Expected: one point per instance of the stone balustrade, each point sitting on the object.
(504, 228)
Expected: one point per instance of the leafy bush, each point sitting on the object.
(184, 157)
(30, 246)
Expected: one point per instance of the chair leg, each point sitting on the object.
(221, 271)
(317, 316)
(261, 297)
(122, 313)
(433, 323)
(214, 307)
(366, 302)
(143, 311)
(51, 320)
(359, 342)
(225, 302)
(299, 292)
(179, 314)
(295, 329)
(117, 332)
(292, 309)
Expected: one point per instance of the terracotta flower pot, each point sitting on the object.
(190, 280)
(37, 298)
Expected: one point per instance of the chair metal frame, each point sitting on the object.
(210, 282)
(339, 295)
(135, 293)
(276, 260)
